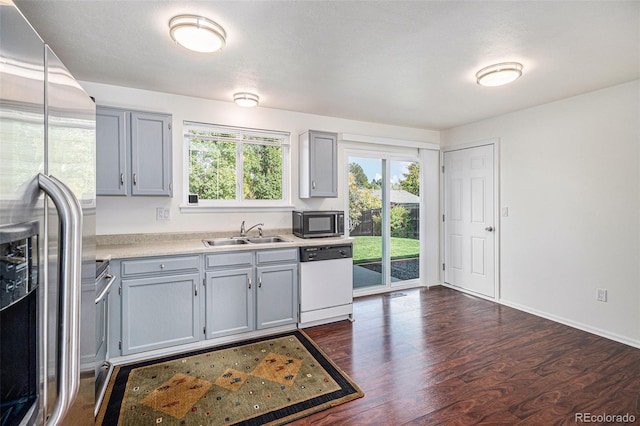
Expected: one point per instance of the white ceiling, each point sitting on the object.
(408, 63)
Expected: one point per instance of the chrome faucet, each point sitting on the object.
(243, 231)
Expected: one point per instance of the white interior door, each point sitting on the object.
(469, 219)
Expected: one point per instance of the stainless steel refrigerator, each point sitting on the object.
(47, 234)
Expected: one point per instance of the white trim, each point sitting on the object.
(573, 324)
(351, 137)
(407, 285)
(430, 216)
(495, 142)
(550, 317)
(239, 204)
(189, 209)
(469, 292)
(481, 142)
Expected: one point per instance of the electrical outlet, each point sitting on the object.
(163, 214)
(601, 294)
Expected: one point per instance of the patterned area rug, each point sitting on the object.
(271, 380)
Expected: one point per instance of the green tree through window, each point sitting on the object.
(234, 164)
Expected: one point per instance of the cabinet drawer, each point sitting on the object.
(271, 256)
(240, 258)
(160, 265)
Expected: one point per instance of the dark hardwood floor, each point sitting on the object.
(438, 356)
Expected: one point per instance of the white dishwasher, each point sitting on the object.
(326, 284)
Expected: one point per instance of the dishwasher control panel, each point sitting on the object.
(317, 253)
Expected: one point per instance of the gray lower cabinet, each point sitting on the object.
(160, 304)
(133, 152)
(229, 302)
(277, 295)
(174, 300)
(242, 297)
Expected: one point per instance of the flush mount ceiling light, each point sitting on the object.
(197, 33)
(499, 74)
(246, 99)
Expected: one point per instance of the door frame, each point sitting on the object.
(495, 142)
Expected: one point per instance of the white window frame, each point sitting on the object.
(239, 203)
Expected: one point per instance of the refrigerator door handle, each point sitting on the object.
(69, 282)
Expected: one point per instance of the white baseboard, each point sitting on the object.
(561, 320)
(573, 324)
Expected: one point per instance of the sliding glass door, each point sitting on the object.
(384, 220)
(366, 221)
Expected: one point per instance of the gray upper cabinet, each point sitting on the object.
(111, 152)
(151, 154)
(133, 152)
(318, 164)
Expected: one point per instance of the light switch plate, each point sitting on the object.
(163, 214)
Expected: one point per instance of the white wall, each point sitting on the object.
(123, 215)
(570, 176)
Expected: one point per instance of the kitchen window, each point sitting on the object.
(237, 167)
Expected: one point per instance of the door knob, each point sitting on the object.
(489, 228)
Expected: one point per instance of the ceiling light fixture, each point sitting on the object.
(499, 74)
(197, 33)
(246, 99)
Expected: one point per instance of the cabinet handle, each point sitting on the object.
(313, 184)
(135, 179)
(249, 283)
(260, 282)
(195, 286)
(121, 178)
(162, 266)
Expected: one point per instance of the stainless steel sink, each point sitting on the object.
(225, 242)
(239, 241)
(267, 240)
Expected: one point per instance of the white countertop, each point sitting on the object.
(137, 245)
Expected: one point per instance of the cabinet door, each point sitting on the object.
(159, 312)
(277, 302)
(151, 160)
(111, 152)
(229, 305)
(323, 149)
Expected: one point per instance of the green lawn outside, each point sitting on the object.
(369, 249)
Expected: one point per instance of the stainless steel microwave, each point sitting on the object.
(318, 223)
